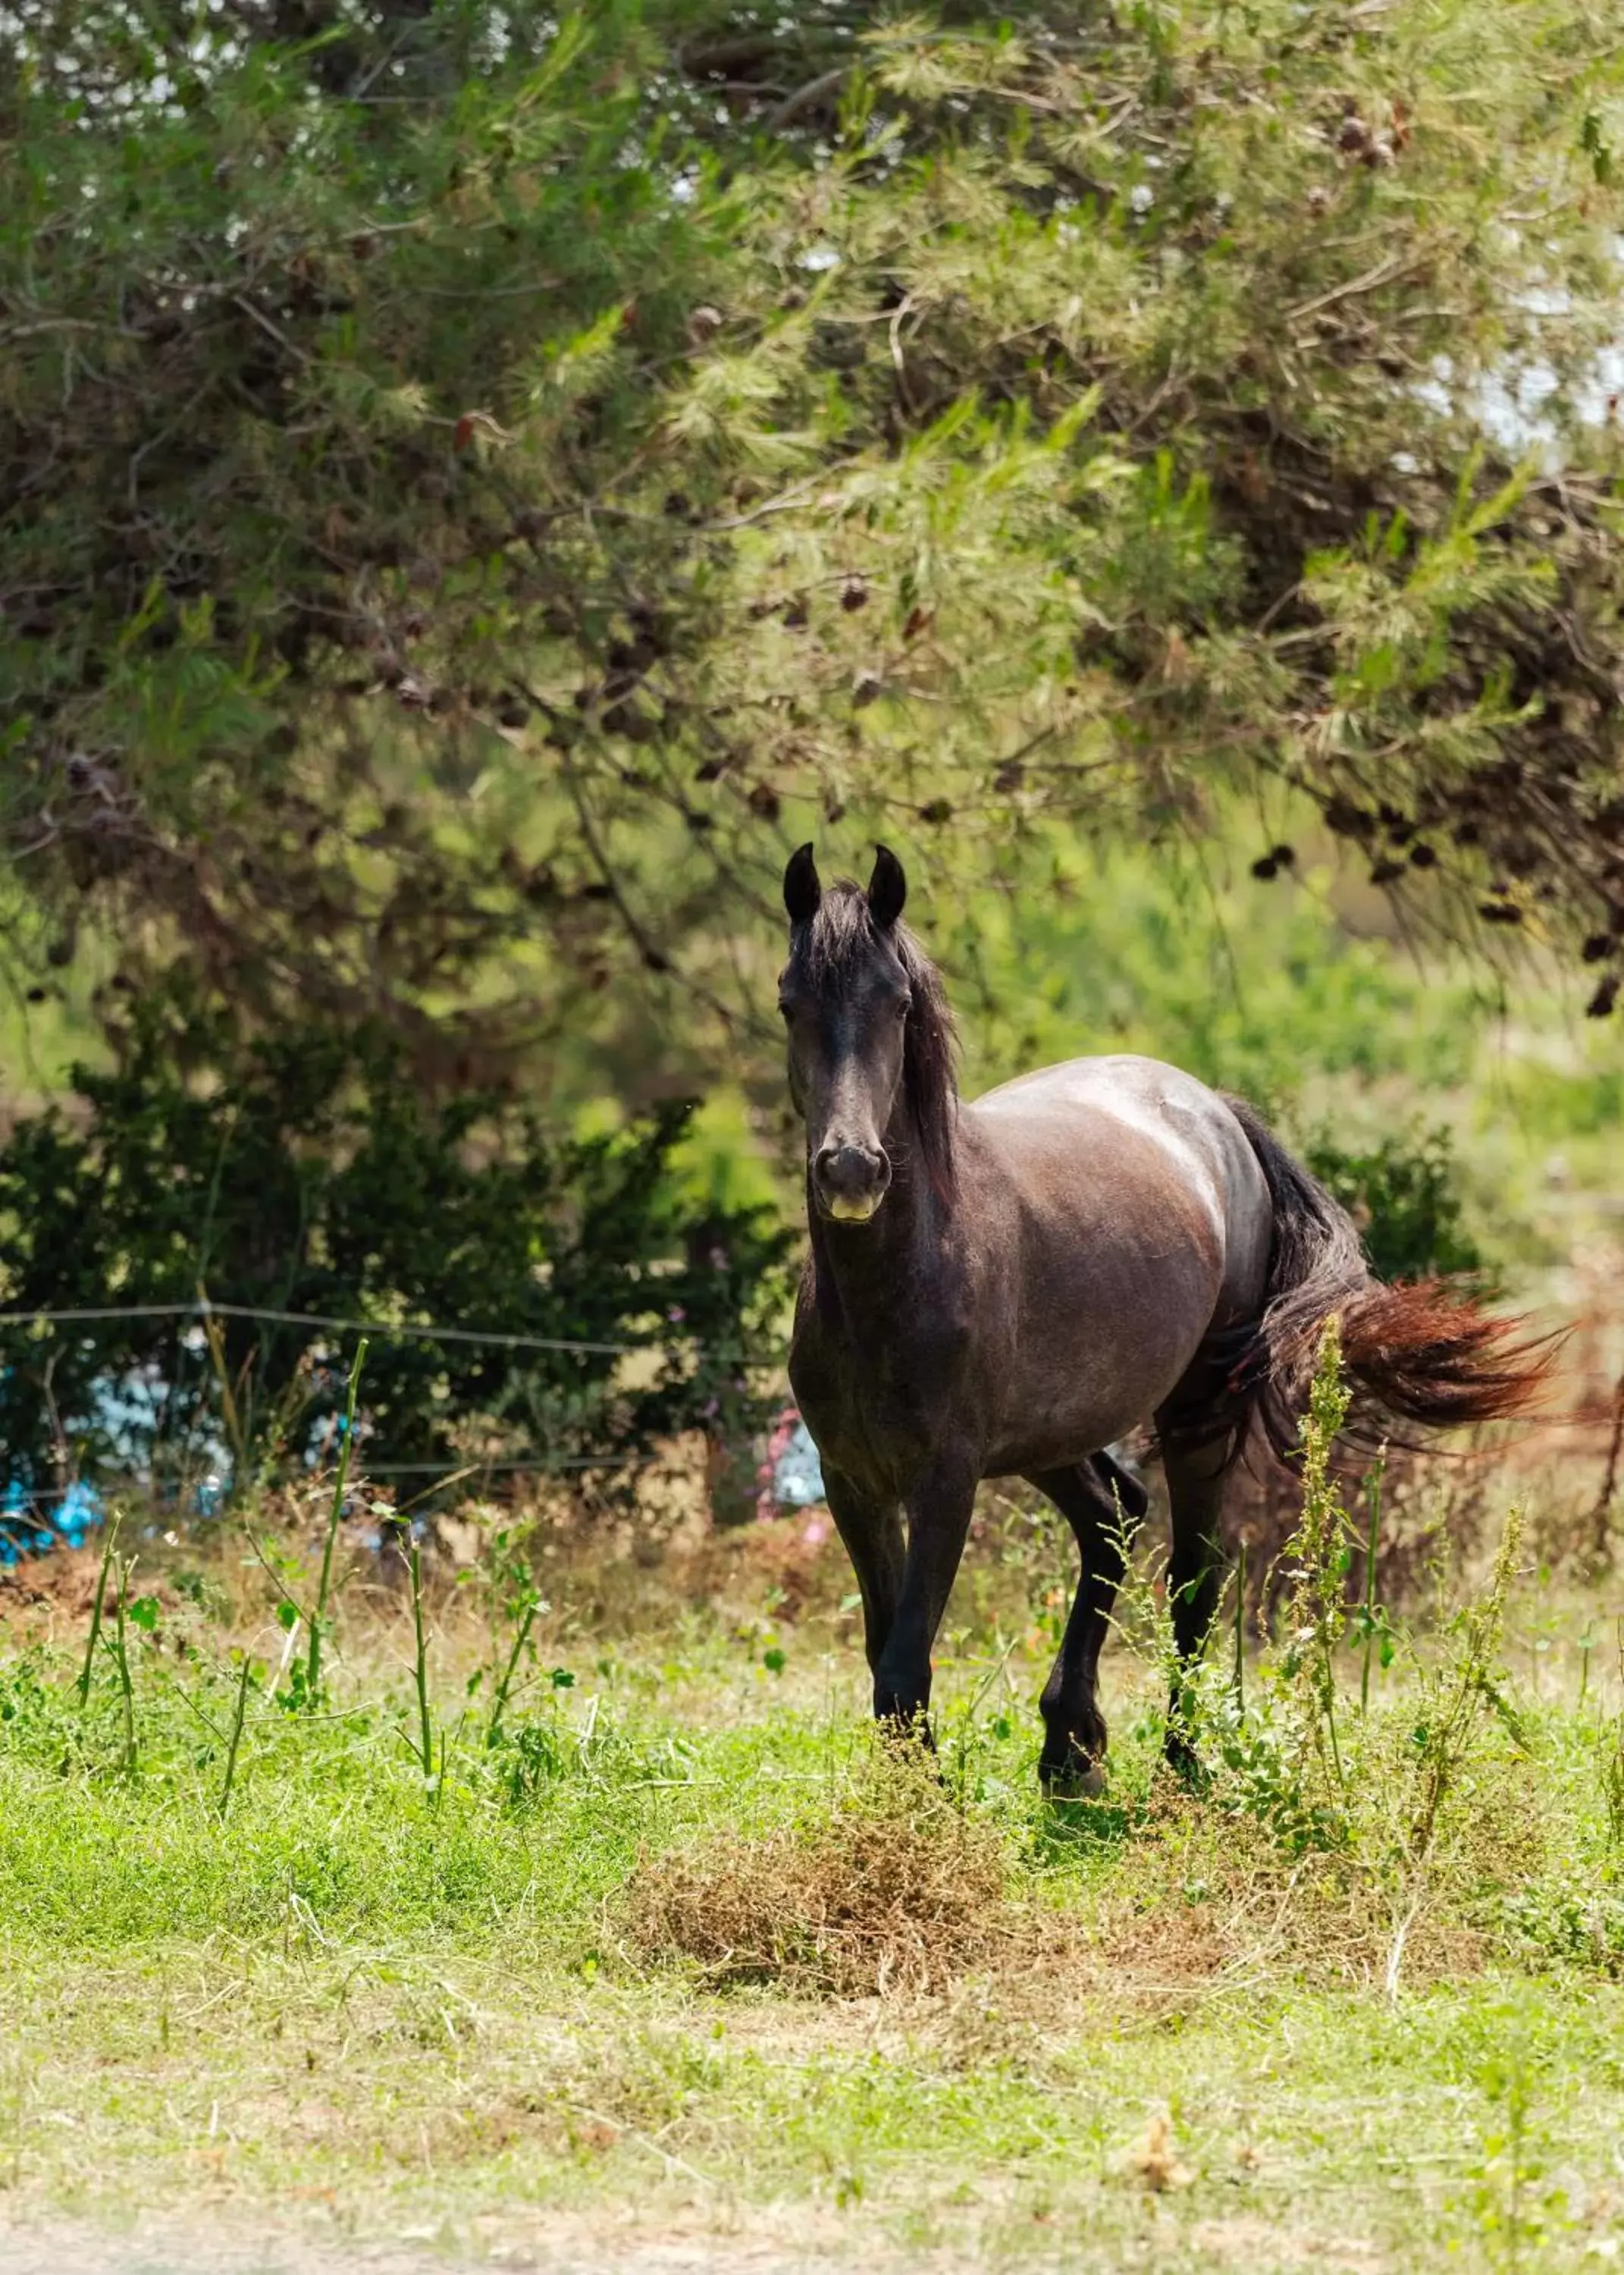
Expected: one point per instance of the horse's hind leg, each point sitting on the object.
(1197, 1470)
(1089, 1496)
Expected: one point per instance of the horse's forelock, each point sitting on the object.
(831, 951)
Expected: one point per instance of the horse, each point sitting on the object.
(1009, 1287)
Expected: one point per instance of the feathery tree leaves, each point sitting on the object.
(476, 483)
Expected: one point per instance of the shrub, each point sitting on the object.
(1403, 1195)
(301, 1172)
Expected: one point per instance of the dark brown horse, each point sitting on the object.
(1006, 1289)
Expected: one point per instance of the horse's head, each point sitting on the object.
(846, 994)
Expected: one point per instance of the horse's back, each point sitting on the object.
(1123, 1082)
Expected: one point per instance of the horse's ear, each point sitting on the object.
(802, 891)
(887, 888)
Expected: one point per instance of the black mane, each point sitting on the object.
(830, 951)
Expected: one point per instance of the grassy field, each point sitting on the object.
(679, 1963)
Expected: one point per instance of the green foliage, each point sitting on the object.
(1402, 1193)
(1253, 985)
(1612, 1768)
(475, 485)
(304, 1175)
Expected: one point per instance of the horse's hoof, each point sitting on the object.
(1185, 1764)
(1079, 1779)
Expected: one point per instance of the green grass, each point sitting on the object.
(355, 2002)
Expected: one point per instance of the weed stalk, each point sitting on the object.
(237, 1720)
(120, 1649)
(1320, 1548)
(223, 1382)
(1612, 1766)
(95, 1609)
(521, 1636)
(1372, 1493)
(1471, 1687)
(414, 1565)
(318, 1621)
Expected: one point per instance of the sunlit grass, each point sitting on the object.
(461, 2010)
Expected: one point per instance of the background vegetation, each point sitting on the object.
(478, 484)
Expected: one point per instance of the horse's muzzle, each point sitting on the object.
(850, 1181)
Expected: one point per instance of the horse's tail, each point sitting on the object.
(1423, 1352)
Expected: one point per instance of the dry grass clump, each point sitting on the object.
(1209, 1902)
(893, 1890)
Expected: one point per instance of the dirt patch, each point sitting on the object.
(1249, 2242)
(565, 2246)
(64, 1583)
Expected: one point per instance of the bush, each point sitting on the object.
(1402, 1194)
(301, 1172)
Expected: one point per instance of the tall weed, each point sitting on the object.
(1286, 1752)
(1612, 1766)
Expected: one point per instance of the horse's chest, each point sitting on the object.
(875, 1407)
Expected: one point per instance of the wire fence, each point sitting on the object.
(400, 1330)
(204, 1308)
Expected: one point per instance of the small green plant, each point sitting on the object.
(1470, 1685)
(514, 1604)
(1321, 1556)
(243, 1677)
(1456, 1698)
(139, 1612)
(966, 1735)
(1142, 1617)
(1512, 2211)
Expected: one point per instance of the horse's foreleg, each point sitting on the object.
(872, 1533)
(1196, 1475)
(1103, 1506)
(939, 1514)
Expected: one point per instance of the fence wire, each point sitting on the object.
(399, 1330)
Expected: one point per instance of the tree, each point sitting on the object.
(477, 486)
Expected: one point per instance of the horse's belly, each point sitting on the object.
(1111, 1296)
(1069, 1403)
